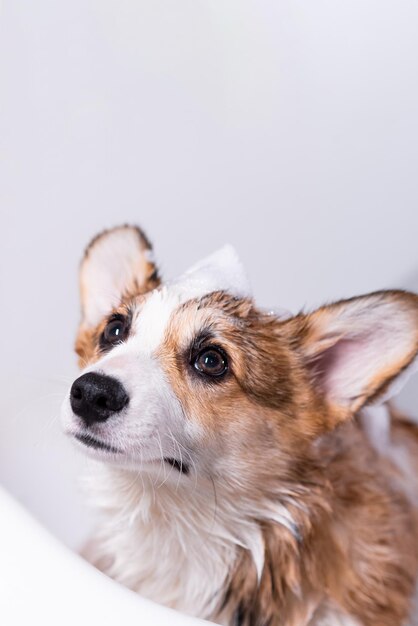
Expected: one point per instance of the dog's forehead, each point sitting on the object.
(221, 271)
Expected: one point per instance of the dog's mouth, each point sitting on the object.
(180, 466)
(92, 442)
(96, 444)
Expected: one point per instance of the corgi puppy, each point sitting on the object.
(241, 474)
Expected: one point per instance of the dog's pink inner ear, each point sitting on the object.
(117, 263)
(345, 370)
(357, 348)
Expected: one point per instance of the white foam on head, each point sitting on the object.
(221, 271)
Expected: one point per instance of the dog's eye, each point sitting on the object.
(211, 362)
(115, 331)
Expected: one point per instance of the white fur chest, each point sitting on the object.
(168, 544)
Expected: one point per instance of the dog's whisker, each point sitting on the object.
(215, 500)
(162, 462)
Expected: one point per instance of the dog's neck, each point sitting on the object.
(178, 542)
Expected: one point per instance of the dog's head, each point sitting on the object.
(193, 375)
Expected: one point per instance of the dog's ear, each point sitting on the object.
(116, 263)
(355, 350)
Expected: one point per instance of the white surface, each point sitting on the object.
(287, 128)
(42, 582)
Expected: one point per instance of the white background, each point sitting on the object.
(286, 127)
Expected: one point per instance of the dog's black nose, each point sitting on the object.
(95, 397)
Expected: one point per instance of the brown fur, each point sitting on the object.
(357, 548)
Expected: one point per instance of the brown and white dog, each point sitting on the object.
(240, 476)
